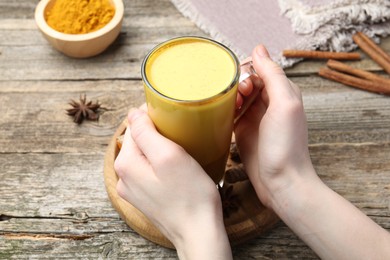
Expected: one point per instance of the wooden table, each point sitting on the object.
(53, 203)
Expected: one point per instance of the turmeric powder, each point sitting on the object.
(79, 16)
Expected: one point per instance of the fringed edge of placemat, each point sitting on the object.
(189, 11)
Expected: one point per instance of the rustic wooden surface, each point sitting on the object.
(53, 202)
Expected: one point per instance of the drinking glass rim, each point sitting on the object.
(205, 100)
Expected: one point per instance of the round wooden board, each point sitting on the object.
(244, 215)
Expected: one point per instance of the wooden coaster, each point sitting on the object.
(244, 215)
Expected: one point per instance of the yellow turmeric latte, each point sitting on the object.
(191, 88)
(79, 16)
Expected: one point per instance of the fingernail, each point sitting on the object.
(262, 51)
(243, 85)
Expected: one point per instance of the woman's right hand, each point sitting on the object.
(272, 134)
(272, 139)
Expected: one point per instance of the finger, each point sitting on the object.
(130, 158)
(245, 87)
(254, 89)
(239, 101)
(275, 80)
(144, 107)
(150, 142)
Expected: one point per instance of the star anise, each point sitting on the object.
(83, 110)
(230, 201)
(236, 174)
(234, 154)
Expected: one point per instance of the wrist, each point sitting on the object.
(290, 191)
(329, 224)
(203, 237)
(298, 201)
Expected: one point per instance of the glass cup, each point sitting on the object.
(190, 86)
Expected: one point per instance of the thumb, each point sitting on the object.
(275, 80)
(146, 136)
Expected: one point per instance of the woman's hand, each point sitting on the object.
(273, 142)
(272, 134)
(164, 182)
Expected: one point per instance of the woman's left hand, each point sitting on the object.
(162, 180)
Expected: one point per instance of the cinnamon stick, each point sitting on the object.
(342, 67)
(321, 55)
(356, 82)
(374, 46)
(376, 55)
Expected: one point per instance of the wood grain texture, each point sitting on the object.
(53, 202)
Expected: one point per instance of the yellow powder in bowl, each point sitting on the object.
(79, 16)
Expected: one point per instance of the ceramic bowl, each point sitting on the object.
(80, 45)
